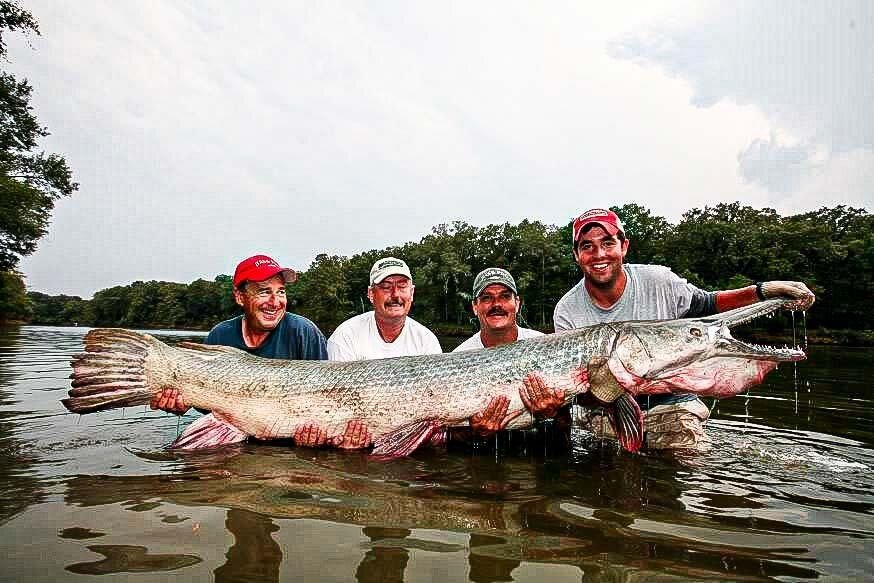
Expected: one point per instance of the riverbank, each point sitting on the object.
(819, 336)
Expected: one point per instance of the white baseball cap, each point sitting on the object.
(389, 266)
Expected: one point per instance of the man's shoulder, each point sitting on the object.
(298, 322)
(471, 343)
(647, 271)
(353, 324)
(414, 325)
(528, 333)
(229, 324)
(572, 295)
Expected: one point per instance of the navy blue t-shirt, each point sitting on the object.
(295, 338)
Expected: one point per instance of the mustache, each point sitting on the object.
(497, 312)
(390, 303)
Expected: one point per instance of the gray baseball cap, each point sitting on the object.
(491, 275)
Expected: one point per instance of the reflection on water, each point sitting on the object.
(786, 493)
(130, 559)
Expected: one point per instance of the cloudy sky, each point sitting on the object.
(204, 132)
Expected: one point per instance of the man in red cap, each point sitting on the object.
(264, 329)
(613, 291)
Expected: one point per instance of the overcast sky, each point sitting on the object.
(204, 132)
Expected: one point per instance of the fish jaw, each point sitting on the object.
(718, 377)
(695, 355)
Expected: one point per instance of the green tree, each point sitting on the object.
(14, 303)
(30, 180)
(647, 233)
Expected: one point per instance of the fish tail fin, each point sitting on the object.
(627, 420)
(111, 371)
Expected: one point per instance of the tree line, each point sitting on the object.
(720, 247)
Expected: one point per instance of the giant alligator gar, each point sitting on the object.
(405, 401)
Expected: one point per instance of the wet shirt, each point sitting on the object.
(295, 338)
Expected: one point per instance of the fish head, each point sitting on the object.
(697, 355)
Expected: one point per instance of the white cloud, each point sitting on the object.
(807, 66)
(204, 132)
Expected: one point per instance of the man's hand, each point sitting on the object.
(494, 418)
(310, 435)
(356, 436)
(539, 399)
(169, 400)
(793, 290)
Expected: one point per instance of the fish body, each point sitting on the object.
(404, 401)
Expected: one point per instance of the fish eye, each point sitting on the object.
(695, 332)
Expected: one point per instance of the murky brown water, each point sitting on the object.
(787, 493)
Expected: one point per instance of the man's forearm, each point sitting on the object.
(736, 298)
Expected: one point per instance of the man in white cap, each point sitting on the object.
(612, 291)
(386, 331)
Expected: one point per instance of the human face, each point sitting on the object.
(600, 254)
(496, 307)
(263, 303)
(392, 297)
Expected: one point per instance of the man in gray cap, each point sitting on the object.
(496, 303)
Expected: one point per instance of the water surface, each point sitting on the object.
(786, 494)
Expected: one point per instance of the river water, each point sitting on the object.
(786, 494)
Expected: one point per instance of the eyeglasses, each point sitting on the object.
(387, 286)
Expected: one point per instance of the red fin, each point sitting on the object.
(208, 431)
(627, 420)
(405, 440)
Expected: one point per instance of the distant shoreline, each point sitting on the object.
(857, 338)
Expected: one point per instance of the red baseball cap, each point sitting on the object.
(259, 268)
(604, 218)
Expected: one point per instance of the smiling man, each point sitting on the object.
(612, 291)
(386, 331)
(495, 304)
(265, 328)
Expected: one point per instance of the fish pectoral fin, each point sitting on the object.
(602, 384)
(627, 420)
(208, 431)
(404, 440)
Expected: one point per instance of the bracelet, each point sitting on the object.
(759, 293)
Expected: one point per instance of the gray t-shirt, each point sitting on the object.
(653, 292)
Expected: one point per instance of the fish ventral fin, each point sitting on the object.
(404, 440)
(627, 420)
(208, 431)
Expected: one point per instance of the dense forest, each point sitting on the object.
(719, 247)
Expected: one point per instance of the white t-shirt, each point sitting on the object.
(476, 341)
(358, 339)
